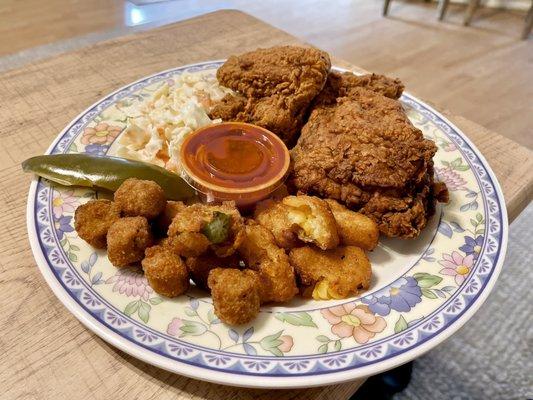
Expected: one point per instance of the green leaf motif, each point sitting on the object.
(428, 293)
(190, 312)
(426, 280)
(400, 325)
(192, 328)
(131, 308)
(144, 311)
(72, 257)
(73, 247)
(155, 301)
(323, 339)
(297, 319)
(479, 217)
(73, 148)
(211, 316)
(277, 352)
(323, 349)
(338, 345)
(271, 341)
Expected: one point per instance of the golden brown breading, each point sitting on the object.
(359, 147)
(139, 198)
(165, 271)
(235, 294)
(199, 267)
(355, 229)
(299, 219)
(195, 217)
(93, 219)
(189, 244)
(164, 219)
(275, 86)
(331, 274)
(127, 238)
(260, 253)
(315, 220)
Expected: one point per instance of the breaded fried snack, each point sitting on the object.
(127, 239)
(165, 271)
(221, 224)
(199, 267)
(331, 274)
(93, 219)
(261, 254)
(235, 294)
(355, 229)
(189, 244)
(306, 218)
(138, 198)
(164, 219)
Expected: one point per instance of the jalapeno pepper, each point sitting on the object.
(105, 173)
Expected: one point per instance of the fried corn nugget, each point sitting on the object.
(164, 219)
(165, 271)
(299, 218)
(331, 274)
(127, 239)
(139, 198)
(355, 229)
(261, 254)
(199, 267)
(274, 216)
(235, 294)
(93, 219)
(197, 217)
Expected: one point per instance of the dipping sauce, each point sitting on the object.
(234, 161)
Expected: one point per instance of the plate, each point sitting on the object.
(422, 291)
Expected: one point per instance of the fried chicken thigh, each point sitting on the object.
(274, 87)
(359, 148)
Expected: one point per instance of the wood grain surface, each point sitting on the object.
(46, 352)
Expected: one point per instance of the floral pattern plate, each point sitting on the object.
(422, 291)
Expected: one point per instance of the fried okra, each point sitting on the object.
(261, 253)
(139, 198)
(355, 229)
(199, 267)
(221, 224)
(164, 219)
(331, 274)
(93, 219)
(306, 218)
(235, 294)
(127, 239)
(189, 244)
(165, 271)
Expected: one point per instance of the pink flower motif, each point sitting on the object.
(63, 202)
(453, 180)
(457, 266)
(287, 343)
(102, 134)
(351, 320)
(449, 146)
(173, 328)
(131, 283)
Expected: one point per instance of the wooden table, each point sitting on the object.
(46, 352)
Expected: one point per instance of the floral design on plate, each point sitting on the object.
(421, 293)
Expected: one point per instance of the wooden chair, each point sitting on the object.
(473, 5)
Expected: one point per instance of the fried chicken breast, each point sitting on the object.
(358, 147)
(274, 87)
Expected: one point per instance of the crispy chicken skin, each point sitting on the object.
(274, 87)
(235, 294)
(363, 151)
(331, 274)
(261, 253)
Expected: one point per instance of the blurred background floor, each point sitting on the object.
(483, 72)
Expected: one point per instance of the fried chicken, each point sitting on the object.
(359, 148)
(274, 87)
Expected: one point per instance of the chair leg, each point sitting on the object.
(472, 5)
(443, 6)
(386, 7)
(529, 23)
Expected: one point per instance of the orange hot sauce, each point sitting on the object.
(234, 161)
